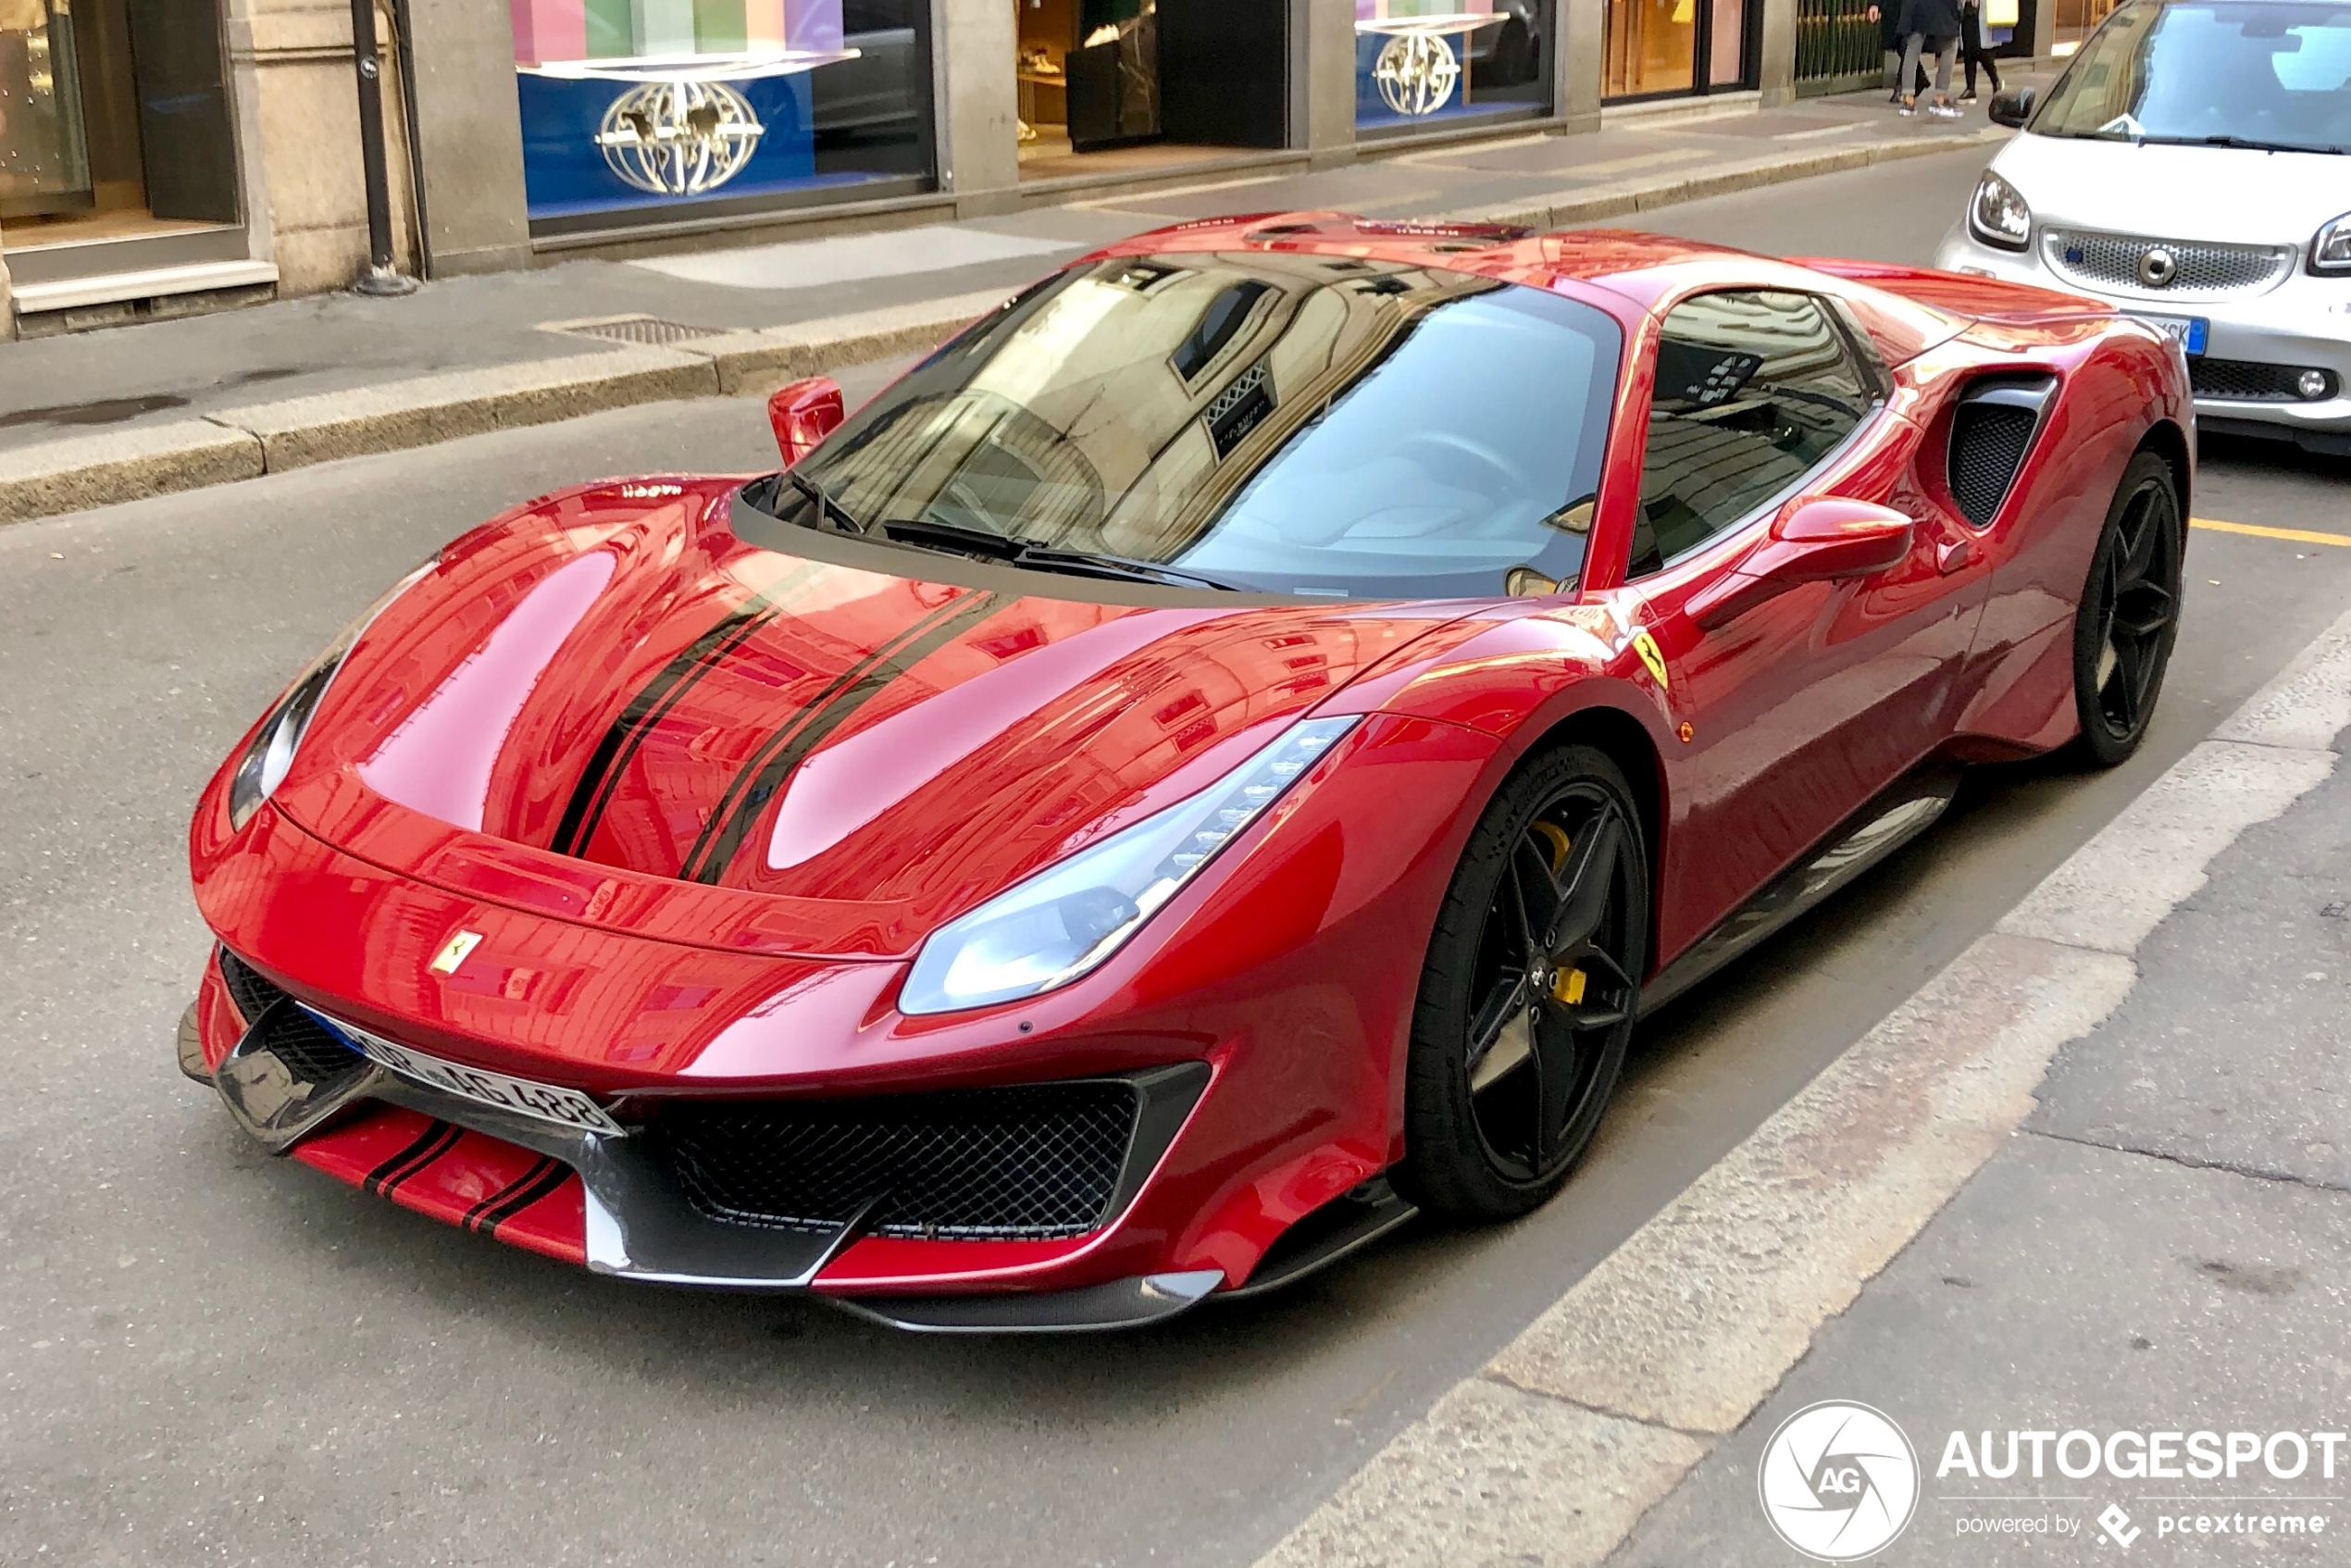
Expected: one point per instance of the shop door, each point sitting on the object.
(183, 110)
(1223, 72)
(1656, 48)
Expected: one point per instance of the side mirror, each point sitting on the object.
(1824, 539)
(2012, 108)
(803, 414)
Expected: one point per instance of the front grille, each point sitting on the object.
(2111, 261)
(295, 1038)
(1033, 1161)
(2248, 381)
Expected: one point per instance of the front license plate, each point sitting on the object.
(2188, 329)
(546, 1102)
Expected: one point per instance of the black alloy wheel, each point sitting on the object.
(2129, 614)
(1529, 996)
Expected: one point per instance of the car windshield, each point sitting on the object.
(2226, 74)
(1274, 422)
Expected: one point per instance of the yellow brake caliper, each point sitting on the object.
(1567, 986)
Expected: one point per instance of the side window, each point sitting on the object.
(1754, 387)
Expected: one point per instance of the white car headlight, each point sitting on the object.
(264, 766)
(2331, 247)
(1069, 917)
(1997, 216)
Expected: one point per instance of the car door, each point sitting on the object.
(1798, 709)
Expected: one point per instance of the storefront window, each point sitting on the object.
(114, 119)
(1430, 62)
(1654, 46)
(663, 104)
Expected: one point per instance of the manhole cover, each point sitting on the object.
(636, 329)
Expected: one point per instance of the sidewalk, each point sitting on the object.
(2166, 1246)
(2091, 1185)
(97, 417)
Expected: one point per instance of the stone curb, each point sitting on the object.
(1555, 1449)
(240, 444)
(243, 443)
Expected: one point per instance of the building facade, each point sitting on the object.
(163, 156)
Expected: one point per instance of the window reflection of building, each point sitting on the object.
(1126, 410)
(1752, 390)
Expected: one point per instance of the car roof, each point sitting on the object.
(1637, 266)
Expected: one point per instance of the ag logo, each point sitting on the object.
(1838, 1481)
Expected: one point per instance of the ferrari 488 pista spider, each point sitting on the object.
(1212, 762)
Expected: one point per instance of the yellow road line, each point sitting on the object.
(2296, 536)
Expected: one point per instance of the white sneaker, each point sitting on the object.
(1944, 111)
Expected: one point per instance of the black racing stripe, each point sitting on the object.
(545, 1185)
(593, 792)
(477, 1216)
(723, 834)
(429, 1145)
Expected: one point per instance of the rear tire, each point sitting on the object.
(1528, 994)
(2128, 617)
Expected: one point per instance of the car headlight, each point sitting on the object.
(2330, 246)
(264, 766)
(1068, 918)
(1997, 216)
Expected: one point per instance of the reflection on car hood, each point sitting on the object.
(615, 677)
(2220, 193)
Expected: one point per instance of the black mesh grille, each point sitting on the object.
(1987, 445)
(252, 994)
(2250, 381)
(295, 1038)
(1038, 1161)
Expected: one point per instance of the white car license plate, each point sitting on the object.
(546, 1102)
(2188, 329)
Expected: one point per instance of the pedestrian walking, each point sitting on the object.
(1929, 27)
(1971, 47)
(1889, 42)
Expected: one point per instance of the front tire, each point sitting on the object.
(2128, 617)
(1528, 994)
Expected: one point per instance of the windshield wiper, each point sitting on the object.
(2246, 143)
(1044, 557)
(1093, 562)
(951, 536)
(825, 505)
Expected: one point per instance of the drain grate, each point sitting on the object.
(650, 329)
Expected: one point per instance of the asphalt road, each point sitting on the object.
(207, 1355)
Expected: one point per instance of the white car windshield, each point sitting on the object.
(2269, 77)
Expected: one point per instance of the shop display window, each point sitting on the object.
(657, 103)
(1429, 62)
(114, 119)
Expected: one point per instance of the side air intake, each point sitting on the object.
(1991, 430)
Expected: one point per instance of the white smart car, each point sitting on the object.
(2193, 166)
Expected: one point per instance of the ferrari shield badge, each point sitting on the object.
(1645, 646)
(454, 952)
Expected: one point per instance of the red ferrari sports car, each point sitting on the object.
(1212, 762)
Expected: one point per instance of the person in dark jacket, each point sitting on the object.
(1971, 47)
(1930, 27)
(1889, 42)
